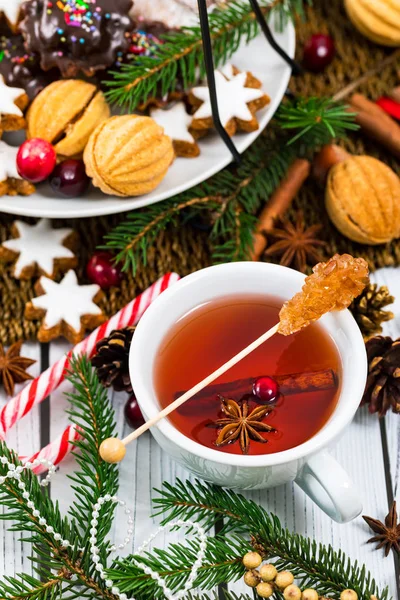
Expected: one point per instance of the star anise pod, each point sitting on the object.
(295, 244)
(13, 367)
(241, 425)
(388, 533)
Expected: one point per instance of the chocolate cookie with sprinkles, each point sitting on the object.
(77, 36)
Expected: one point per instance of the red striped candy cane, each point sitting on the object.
(48, 381)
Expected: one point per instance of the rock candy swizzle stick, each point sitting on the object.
(331, 287)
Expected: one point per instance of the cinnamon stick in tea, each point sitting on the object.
(294, 383)
(279, 202)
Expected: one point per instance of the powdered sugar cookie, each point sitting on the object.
(67, 309)
(11, 182)
(230, 71)
(12, 102)
(237, 103)
(11, 11)
(176, 121)
(39, 250)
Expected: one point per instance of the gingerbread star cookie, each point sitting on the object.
(176, 121)
(39, 250)
(239, 98)
(66, 309)
(11, 11)
(11, 183)
(12, 102)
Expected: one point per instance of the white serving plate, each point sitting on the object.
(257, 57)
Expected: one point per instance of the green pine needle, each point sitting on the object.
(90, 411)
(320, 119)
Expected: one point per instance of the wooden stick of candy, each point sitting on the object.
(332, 287)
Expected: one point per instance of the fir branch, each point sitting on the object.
(318, 119)
(25, 587)
(313, 565)
(232, 195)
(18, 511)
(222, 563)
(90, 411)
(179, 59)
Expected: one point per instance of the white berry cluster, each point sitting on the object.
(266, 579)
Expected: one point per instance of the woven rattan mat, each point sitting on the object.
(186, 249)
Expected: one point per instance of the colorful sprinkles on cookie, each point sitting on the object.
(77, 35)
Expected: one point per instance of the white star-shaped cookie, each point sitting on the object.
(233, 98)
(38, 246)
(66, 302)
(8, 162)
(175, 121)
(11, 10)
(8, 96)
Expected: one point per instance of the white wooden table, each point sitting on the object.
(370, 451)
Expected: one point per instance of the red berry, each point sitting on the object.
(319, 51)
(266, 389)
(133, 414)
(36, 160)
(102, 270)
(390, 106)
(69, 178)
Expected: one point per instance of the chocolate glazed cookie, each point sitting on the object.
(22, 69)
(76, 35)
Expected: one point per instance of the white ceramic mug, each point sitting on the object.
(309, 464)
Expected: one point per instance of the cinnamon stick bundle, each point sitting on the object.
(376, 124)
(294, 383)
(279, 202)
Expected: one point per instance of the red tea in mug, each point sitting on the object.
(206, 337)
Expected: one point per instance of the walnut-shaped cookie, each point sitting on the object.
(39, 250)
(65, 309)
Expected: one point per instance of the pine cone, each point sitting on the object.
(111, 360)
(383, 383)
(368, 310)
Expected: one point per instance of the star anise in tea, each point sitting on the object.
(13, 367)
(240, 424)
(388, 533)
(295, 244)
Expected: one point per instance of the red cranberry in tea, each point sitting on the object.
(36, 159)
(133, 414)
(319, 51)
(102, 270)
(266, 389)
(69, 178)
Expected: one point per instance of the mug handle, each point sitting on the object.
(329, 486)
